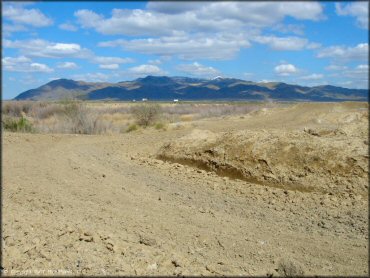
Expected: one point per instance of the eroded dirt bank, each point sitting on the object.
(107, 205)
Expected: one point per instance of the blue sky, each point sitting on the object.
(307, 43)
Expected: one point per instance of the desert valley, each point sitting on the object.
(267, 189)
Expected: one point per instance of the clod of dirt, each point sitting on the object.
(147, 241)
(87, 237)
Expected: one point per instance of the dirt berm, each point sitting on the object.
(321, 160)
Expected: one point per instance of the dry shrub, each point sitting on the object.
(16, 108)
(81, 120)
(146, 114)
(46, 110)
(290, 268)
(187, 118)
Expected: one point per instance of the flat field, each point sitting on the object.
(280, 189)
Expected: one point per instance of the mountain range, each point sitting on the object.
(185, 88)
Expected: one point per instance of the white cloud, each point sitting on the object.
(166, 18)
(335, 67)
(111, 60)
(155, 62)
(297, 29)
(346, 53)
(109, 66)
(359, 76)
(20, 15)
(363, 67)
(67, 26)
(282, 43)
(91, 77)
(174, 22)
(144, 70)
(46, 49)
(314, 76)
(8, 29)
(286, 69)
(23, 64)
(360, 10)
(43, 48)
(207, 30)
(196, 69)
(14, 60)
(67, 65)
(355, 77)
(218, 47)
(360, 71)
(313, 45)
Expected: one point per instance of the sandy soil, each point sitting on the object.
(106, 204)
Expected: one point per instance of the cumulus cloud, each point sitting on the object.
(286, 69)
(24, 64)
(67, 65)
(105, 60)
(43, 48)
(196, 69)
(109, 66)
(155, 62)
(204, 30)
(91, 77)
(144, 70)
(358, 76)
(335, 67)
(166, 18)
(314, 76)
(282, 43)
(57, 50)
(359, 10)
(346, 53)
(8, 29)
(360, 71)
(67, 26)
(297, 29)
(19, 15)
(218, 47)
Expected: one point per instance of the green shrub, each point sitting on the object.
(146, 114)
(159, 126)
(132, 127)
(17, 125)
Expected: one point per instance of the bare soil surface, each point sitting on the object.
(155, 202)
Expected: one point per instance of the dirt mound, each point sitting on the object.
(321, 160)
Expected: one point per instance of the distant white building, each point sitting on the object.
(144, 99)
(175, 100)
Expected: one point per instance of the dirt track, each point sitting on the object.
(106, 205)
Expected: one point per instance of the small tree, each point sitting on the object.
(146, 114)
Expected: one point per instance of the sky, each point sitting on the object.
(306, 43)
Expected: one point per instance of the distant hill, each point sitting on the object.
(185, 88)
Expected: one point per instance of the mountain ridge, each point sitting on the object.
(188, 88)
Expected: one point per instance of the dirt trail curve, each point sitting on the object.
(102, 205)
